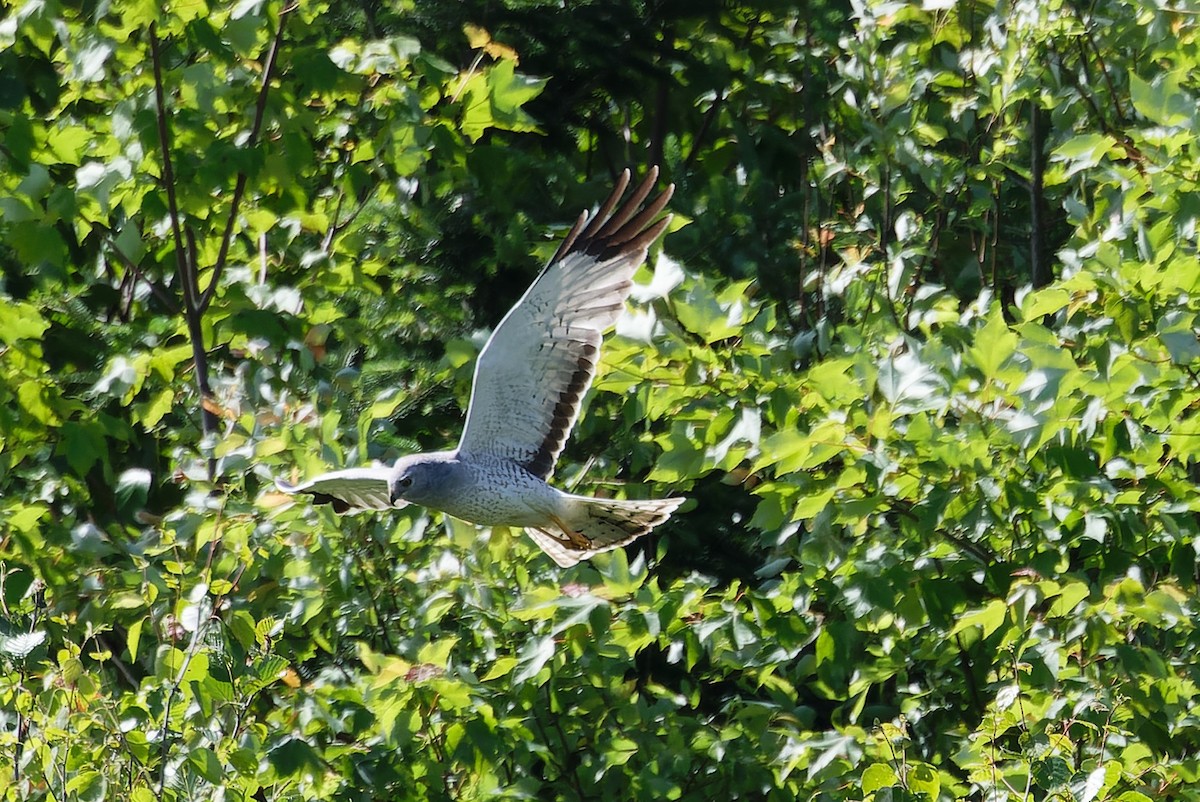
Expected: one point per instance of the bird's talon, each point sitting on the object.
(570, 538)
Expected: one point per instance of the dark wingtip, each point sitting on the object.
(339, 506)
(626, 229)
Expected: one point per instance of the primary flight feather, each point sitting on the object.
(529, 381)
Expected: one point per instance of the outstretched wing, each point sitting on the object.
(540, 360)
(350, 490)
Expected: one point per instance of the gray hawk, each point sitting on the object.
(529, 380)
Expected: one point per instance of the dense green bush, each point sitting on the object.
(921, 348)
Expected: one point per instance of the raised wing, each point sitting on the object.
(350, 490)
(540, 360)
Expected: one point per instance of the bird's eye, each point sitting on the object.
(406, 481)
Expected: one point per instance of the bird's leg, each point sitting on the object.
(573, 539)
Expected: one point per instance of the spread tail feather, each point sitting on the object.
(606, 523)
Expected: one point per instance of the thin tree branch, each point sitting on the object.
(182, 268)
(662, 96)
(161, 294)
(717, 103)
(1039, 269)
(185, 259)
(260, 108)
(337, 227)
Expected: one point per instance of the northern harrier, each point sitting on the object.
(529, 380)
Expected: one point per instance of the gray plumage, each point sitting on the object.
(529, 380)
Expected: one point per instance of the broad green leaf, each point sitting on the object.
(20, 321)
(877, 776)
(989, 618)
(994, 345)
(924, 780)
(501, 668)
(1162, 101)
(709, 316)
(532, 657)
(493, 99)
(1082, 152)
(133, 638)
(205, 761)
(38, 401)
(1069, 598)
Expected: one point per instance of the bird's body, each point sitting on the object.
(485, 490)
(529, 380)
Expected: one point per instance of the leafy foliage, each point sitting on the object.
(922, 348)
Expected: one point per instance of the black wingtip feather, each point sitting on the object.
(614, 230)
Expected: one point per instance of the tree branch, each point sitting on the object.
(260, 108)
(159, 293)
(1039, 270)
(185, 255)
(182, 268)
(717, 103)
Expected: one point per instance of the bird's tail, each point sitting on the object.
(605, 523)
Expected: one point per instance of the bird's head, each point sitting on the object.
(420, 479)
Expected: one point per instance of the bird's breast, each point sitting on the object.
(498, 492)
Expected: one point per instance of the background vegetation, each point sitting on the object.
(922, 348)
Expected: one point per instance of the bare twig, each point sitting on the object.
(262, 258)
(193, 645)
(470, 71)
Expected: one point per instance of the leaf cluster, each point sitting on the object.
(921, 347)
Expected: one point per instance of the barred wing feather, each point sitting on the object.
(539, 362)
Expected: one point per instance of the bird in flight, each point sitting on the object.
(529, 380)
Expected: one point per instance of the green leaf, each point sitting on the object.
(83, 444)
(532, 657)
(151, 413)
(206, 762)
(1083, 151)
(989, 618)
(26, 517)
(1177, 330)
(37, 399)
(293, 755)
(811, 505)
(924, 779)
(994, 345)
(908, 384)
(1051, 773)
(1069, 598)
(1133, 796)
(88, 61)
(493, 99)
(133, 638)
(20, 321)
(711, 317)
(876, 776)
(88, 786)
(501, 668)
(1163, 100)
